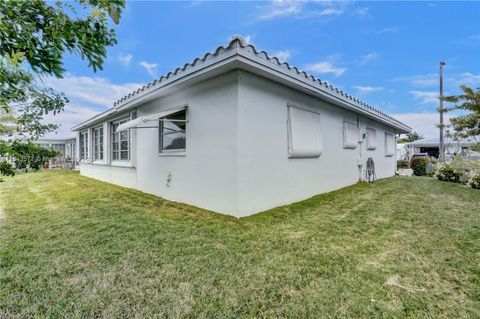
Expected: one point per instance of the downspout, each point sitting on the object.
(360, 143)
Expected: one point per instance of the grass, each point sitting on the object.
(71, 246)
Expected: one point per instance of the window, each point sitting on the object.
(304, 133)
(371, 139)
(120, 142)
(60, 148)
(84, 145)
(173, 132)
(98, 143)
(389, 145)
(350, 135)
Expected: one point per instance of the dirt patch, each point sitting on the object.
(394, 281)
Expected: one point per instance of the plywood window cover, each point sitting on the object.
(350, 135)
(304, 133)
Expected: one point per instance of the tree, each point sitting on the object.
(35, 35)
(412, 136)
(467, 125)
(25, 156)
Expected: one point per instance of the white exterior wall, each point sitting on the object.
(236, 159)
(205, 175)
(267, 177)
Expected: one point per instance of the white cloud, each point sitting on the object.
(151, 68)
(71, 116)
(96, 90)
(426, 97)
(330, 11)
(424, 123)
(88, 96)
(363, 12)
(246, 38)
(125, 59)
(389, 29)
(425, 80)
(302, 9)
(421, 80)
(325, 68)
(281, 8)
(474, 37)
(368, 89)
(468, 78)
(364, 59)
(283, 55)
(449, 80)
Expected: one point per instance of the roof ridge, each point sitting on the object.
(243, 43)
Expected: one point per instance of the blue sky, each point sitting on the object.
(385, 53)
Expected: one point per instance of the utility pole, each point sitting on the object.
(441, 147)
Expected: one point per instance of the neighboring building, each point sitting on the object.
(237, 132)
(67, 147)
(432, 146)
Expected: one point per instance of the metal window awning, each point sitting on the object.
(148, 118)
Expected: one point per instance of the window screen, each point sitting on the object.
(389, 144)
(371, 139)
(350, 135)
(84, 145)
(304, 133)
(173, 132)
(98, 143)
(120, 142)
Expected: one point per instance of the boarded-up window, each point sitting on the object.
(304, 133)
(389, 144)
(350, 135)
(371, 139)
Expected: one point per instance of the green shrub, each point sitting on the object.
(402, 164)
(447, 173)
(430, 169)
(474, 180)
(6, 169)
(462, 165)
(419, 165)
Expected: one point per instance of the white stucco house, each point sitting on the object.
(237, 132)
(67, 148)
(453, 147)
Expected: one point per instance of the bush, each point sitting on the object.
(402, 164)
(419, 165)
(447, 173)
(430, 169)
(474, 180)
(6, 169)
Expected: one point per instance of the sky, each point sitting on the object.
(385, 53)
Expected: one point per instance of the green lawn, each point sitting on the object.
(71, 246)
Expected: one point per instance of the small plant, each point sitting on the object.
(6, 169)
(402, 164)
(419, 165)
(447, 173)
(474, 180)
(430, 169)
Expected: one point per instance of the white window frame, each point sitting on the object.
(83, 147)
(98, 141)
(178, 151)
(113, 133)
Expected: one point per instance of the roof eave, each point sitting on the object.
(238, 55)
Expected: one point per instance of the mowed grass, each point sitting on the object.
(71, 246)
